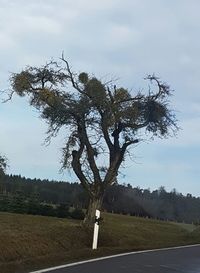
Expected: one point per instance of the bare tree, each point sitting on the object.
(102, 121)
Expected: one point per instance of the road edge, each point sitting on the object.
(110, 257)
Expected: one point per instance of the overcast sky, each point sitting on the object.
(110, 38)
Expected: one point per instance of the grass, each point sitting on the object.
(32, 242)
(189, 227)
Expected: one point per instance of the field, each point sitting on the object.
(33, 242)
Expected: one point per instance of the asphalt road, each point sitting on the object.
(180, 260)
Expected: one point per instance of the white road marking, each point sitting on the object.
(111, 256)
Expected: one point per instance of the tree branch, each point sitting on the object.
(128, 143)
(71, 77)
(90, 151)
(76, 165)
(137, 98)
(105, 132)
(163, 88)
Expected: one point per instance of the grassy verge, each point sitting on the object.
(32, 242)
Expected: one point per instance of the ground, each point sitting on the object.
(32, 242)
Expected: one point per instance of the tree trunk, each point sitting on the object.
(94, 204)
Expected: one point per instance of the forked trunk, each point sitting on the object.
(94, 204)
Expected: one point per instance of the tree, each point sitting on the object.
(101, 120)
(3, 165)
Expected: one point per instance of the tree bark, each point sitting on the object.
(94, 204)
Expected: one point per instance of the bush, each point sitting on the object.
(47, 210)
(196, 223)
(18, 203)
(4, 203)
(78, 214)
(62, 211)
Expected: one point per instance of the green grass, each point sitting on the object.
(189, 227)
(32, 242)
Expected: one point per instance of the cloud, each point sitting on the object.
(110, 38)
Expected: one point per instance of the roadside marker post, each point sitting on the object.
(96, 229)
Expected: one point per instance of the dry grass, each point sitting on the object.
(31, 242)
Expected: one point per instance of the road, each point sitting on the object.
(176, 260)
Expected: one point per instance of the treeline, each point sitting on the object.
(36, 196)
(18, 203)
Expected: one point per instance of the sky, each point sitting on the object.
(111, 39)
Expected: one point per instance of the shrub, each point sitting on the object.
(47, 210)
(78, 214)
(62, 211)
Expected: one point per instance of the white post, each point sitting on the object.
(96, 229)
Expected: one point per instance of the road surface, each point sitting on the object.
(175, 260)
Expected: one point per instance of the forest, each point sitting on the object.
(35, 196)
